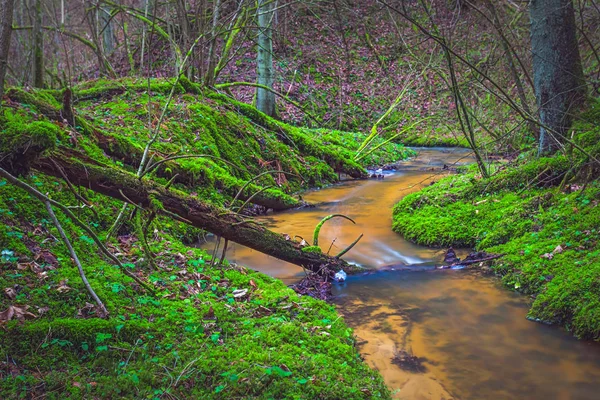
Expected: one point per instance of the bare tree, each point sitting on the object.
(38, 46)
(265, 99)
(6, 16)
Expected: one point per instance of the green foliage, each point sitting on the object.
(214, 344)
(549, 235)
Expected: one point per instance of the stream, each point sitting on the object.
(468, 333)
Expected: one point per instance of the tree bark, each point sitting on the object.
(209, 79)
(265, 100)
(109, 181)
(38, 46)
(557, 72)
(6, 16)
(107, 29)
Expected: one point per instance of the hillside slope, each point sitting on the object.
(177, 325)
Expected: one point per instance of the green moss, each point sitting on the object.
(195, 328)
(22, 141)
(549, 236)
(312, 249)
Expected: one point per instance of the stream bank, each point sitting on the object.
(468, 334)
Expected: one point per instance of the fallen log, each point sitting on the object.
(128, 153)
(111, 181)
(451, 260)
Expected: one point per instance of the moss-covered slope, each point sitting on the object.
(218, 143)
(207, 332)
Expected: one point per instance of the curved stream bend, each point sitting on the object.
(433, 335)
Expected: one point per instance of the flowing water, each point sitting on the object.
(468, 335)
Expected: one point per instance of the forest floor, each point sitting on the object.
(198, 330)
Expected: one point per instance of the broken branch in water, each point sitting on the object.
(451, 260)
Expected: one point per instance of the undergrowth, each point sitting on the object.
(207, 332)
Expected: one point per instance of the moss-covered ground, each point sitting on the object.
(207, 331)
(541, 213)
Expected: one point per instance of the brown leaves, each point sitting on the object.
(11, 293)
(557, 250)
(87, 311)
(63, 287)
(19, 313)
(47, 257)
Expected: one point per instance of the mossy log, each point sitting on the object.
(113, 182)
(126, 152)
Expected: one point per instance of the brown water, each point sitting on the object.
(469, 333)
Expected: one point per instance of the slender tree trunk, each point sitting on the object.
(209, 79)
(557, 72)
(106, 27)
(38, 46)
(265, 100)
(147, 6)
(185, 32)
(6, 16)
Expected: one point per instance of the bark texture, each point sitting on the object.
(6, 16)
(557, 73)
(38, 47)
(107, 180)
(265, 100)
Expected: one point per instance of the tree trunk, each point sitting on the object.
(106, 27)
(557, 73)
(38, 46)
(265, 100)
(109, 181)
(209, 79)
(6, 16)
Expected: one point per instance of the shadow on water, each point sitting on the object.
(432, 334)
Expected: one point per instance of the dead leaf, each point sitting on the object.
(86, 312)
(63, 287)
(11, 293)
(210, 314)
(239, 293)
(548, 256)
(264, 310)
(16, 312)
(251, 283)
(559, 249)
(47, 258)
(22, 266)
(43, 310)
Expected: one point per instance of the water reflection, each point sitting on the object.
(469, 334)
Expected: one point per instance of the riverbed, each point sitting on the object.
(466, 336)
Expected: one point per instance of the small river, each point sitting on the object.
(469, 333)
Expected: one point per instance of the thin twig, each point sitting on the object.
(103, 311)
